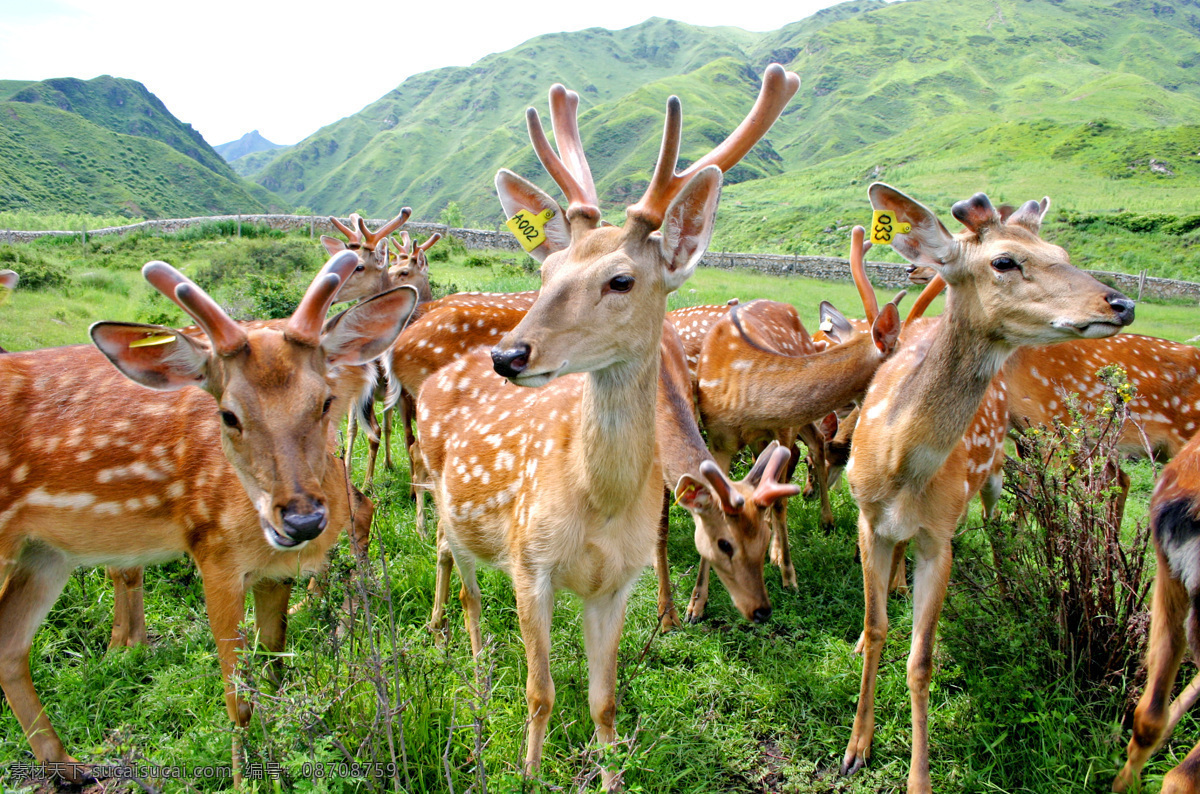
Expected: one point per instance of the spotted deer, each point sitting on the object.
(732, 518)
(1174, 623)
(411, 269)
(371, 277)
(235, 473)
(751, 392)
(560, 485)
(909, 469)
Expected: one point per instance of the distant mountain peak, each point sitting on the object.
(249, 143)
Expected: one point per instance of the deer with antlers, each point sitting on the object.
(749, 390)
(1174, 623)
(371, 277)
(909, 468)
(235, 473)
(560, 485)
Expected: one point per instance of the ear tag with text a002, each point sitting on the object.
(884, 227)
(529, 229)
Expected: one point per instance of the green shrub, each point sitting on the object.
(36, 272)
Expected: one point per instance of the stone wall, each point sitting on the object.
(882, 274)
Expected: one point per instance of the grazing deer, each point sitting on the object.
(560, 485)
(101, 470)
(732, 518)
(909, 468)
(750, 391)
(1174, 622)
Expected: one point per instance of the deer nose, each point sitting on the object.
(512, 362)
(1122, 306)
(762, 615)
(304, 526)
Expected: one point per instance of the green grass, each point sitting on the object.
(720, 706)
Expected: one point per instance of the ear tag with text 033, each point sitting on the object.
(528, 228)
(884, 227)
(151, 341)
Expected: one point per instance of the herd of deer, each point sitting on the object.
(566, 484)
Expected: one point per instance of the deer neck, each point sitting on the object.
(616, 455)
(944, 390)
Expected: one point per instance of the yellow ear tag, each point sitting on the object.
(685, 493)
(884, 227)
(151, 341)
(826, 326)
(5, 294)
(529, 229)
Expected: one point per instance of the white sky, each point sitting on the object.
(287, 69)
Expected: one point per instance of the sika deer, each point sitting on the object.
(371, 277)
(102, 470)
(560, 486)
(909, 468)
(8, 283)
(1174, 622)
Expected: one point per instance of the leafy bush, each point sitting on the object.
(1068, 587)
(278, 258)
(36, 271)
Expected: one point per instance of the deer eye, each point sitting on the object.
(725, 546)
(325, 408)
(621, 284)
(230, 419)
(360, 268)
(1003, 264)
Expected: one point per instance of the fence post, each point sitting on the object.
(239, 224)
(1141, 284)
(83, 240)
(312, 222)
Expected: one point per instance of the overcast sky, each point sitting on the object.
(287, 69)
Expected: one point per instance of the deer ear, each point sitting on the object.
(332, 244)
(364, 331)
(517, 193)
(928, 243)
(1030, 214)
(8, 279)
(834, 323)
(829, 426)
(885, 331)
(688, 225)
(154, 356)
(693, 493)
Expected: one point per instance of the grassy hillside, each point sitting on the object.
(1093, 103)
(109, 147)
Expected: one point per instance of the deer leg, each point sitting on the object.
(897, 582)
(876, 561)
(781, 551)
(472, 603)
(931, 575)
(129, 609)
(699, 599)
(418, 479)
(818, 472)
(1185, 778)
(1164, 652)
(603, 618)
(408, 409)
(668, 617)
(535, 607)
(32, 586)
(1117, 513)
(387, 439)
(373, 432)
(351, 437)
(270, 618)
(441, 588)
(225, 601)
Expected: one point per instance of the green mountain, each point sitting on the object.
(108, 146)
(1094, 102)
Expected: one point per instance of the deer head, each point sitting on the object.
(1002, 275)
(370, 277)
(604, 287)
(731, 521)
(271, 384)
(412, 266)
